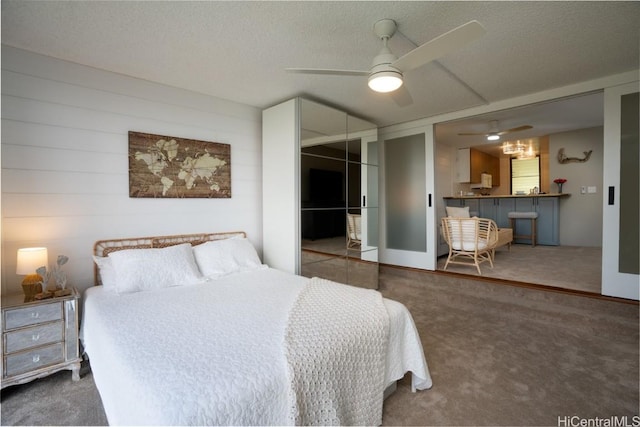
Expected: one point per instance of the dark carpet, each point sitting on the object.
(498, 355)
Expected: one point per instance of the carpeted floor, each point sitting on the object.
(568, 267)
(498, 354)
(510, 355)
(54, 400)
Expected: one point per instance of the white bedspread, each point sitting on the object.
(211, 354)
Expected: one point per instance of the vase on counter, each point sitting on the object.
(559, 187)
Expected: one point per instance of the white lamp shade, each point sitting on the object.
(30, 259)
(385, 81)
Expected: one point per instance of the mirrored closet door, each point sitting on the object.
(338, 196)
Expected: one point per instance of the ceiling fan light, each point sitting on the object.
(493, 137)
(385, 81)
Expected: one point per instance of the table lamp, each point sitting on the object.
(29, 260)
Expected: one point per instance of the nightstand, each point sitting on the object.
(39, 337)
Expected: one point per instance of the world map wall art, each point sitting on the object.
(169, 167)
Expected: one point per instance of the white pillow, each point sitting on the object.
(454, 212)
(213, 260)
(221, 257)
(149, 269)
(107, 272)
(243, 252)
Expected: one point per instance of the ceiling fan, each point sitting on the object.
(494, 132)
(386, 72)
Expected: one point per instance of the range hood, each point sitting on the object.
(485, 182)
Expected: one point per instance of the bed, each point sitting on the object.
(194, 330)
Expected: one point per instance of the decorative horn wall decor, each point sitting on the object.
(562, 158)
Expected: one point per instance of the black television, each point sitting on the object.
(326, 187)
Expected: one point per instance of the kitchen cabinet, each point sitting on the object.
(463, 165)
(471, 163)
(498, 208)
(547, 227)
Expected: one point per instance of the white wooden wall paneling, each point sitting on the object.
(65, 165)
(36, 205)
(37, 182)
(26, 133)
(22, 181)
(32, 64)
(48, 228)
(33, 111)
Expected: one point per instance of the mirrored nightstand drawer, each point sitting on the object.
(37, 358)
(33, 337)
(32, 315)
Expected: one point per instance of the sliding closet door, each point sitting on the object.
(362, 265)
(620, 242)
(323, 192)
(409, 231)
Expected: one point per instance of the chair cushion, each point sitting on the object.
(455, 212)
(529, 215)
(468, 246)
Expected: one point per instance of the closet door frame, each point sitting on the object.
(427, 259)
(614, 282)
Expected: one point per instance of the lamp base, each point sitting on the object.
(31, 286)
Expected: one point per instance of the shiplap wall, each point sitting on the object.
(65, 166)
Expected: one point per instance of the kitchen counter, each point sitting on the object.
(497, 208)
(504, 196)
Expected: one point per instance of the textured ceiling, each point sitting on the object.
(546, 118)
(238, 50)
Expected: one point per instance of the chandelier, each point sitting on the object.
(513, 147)
(527, 153)
(519, 149)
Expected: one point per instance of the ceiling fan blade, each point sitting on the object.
(440, 46)
(401, 96)
(471, 133)
(516, 129)
(327, 71)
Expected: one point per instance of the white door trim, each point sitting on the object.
(422, 260)
(614, 283)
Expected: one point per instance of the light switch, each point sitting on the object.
(583, 190)
(591, 189)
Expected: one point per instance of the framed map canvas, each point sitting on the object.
(169, 167)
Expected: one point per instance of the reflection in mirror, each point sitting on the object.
(323, 192)
(338, 184)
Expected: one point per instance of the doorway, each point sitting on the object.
(574, 124)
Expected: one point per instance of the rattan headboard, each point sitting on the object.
(105, 247)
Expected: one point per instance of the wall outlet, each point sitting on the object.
(591, 190)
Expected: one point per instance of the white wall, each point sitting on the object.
(65, 164)
(580, 214)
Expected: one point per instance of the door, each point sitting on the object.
(408, 230)
(620, 252)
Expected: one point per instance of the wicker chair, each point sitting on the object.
(353, 231)
(471, 240)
